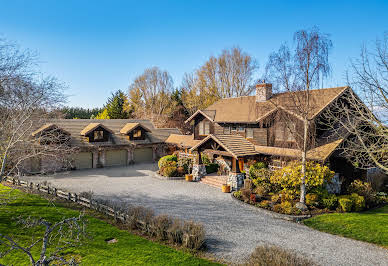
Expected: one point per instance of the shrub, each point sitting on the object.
(254, 167)
(311, 199)
(261, 191)
(276, 256)
(275, 198)
(358, 202)
(170, 171)
(277, 208)
(364, 189)
(180, 171)
(139, 218)
(193, 235)
(289, 177)
(238, 194)
(265, 204)
(168, 158)
(252, 198)
(285, 196)
(160, 225)
(246, 194)
(211, 168)
(175, 232)
(186, 163)
(330, 202)
(205, 159)
(346, 204)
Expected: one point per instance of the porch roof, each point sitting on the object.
(236, 145)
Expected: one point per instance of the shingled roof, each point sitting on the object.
(236, 145)
(131, 126)
(245, 109)
(75, 126)
(185, 141)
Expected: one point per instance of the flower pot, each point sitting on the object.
(226, 188)
(189, 178)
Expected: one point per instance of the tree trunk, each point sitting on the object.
(2, 170)
(304, 161)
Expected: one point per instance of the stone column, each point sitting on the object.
(236, 180)
(130, 156)
(154, 153)
(102, 158)
(199, 170)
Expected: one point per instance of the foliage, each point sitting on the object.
(103, 115)
(330, 202)
(275, 198)
(276, 256)
(193, 235)
(369, 226)
(116, 106)
(246, 194)
(169, 171)
(289, 177)
(211, 168)
(79, 112)
(264, 203)
(186, 163)
(364, 189)
(252, 198)
(168, 158)
(346, 204)
(238, 194)
(205, 159)
(94, 250)
(312, 199)
(262, 191)
(358, 202)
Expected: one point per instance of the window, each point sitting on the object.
(98, 135)
(137, 133)
(204, 128)
(234, 128)
(241, 129)
(226, 130)
(249, 133)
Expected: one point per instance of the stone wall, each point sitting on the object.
(199, 170)
(236, 180)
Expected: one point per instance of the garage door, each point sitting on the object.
(83, 160)
(142, 155)
(116, 157)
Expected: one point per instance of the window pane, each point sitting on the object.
(249, 132)
(98, 135)
(201, 128)
(226, 130)
(137, 134)
(207, 128)
(241, 129)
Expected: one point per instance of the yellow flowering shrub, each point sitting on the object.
(289, 177)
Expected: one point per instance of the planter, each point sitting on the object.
(226, 188)
(189, 178)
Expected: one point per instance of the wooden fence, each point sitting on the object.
(74, 197)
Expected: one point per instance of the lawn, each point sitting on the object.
(129, 250)
(370, 226)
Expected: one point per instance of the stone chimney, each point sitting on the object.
(263, 92)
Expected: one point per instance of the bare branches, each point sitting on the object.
(57, 236)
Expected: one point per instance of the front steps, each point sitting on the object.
(214, 181)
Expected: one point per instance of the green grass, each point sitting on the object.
(370, 226)
(129, 250)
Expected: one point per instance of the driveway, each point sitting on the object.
(233, 230)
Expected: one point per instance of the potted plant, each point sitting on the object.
(189, 177)
(226, 188)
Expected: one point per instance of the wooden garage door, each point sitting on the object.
(116, 157)
(83, 160)
(142, 155)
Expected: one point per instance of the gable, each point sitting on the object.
(130, 127)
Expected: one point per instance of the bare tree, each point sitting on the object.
(298, 72)
(228, 75)
(364, 123)
(150, 93)
(57, 238)
(25, 102)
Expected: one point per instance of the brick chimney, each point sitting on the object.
(263, 92)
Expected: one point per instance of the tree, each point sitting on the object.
(79, 112)
(298, 72)
(228, 75)
(103, 115)
(150, 94)
(26, 101)
(364, 123)
(116, 106)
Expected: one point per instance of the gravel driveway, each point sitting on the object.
(233, 230)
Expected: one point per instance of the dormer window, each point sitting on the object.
(137, 133)
(98, 135)
(204, 128)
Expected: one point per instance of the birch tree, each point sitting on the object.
(297, 72)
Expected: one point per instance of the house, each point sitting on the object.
(240, 130)
(102, 143)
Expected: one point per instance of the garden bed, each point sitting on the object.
(162, 177)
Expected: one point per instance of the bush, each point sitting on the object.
(261, 191)
(330, 202)
(139, 218)
(193, 235)
(289, 177)
(277, 208)
(205, 159)
(275, 198)
(252, 198)
(168, 158)
(160, 225)
(169, 171)
(185, 163)
(358, 202)
(238, 194)
(254, 167)
(211, 168)
(175, 232)
(246, 194)
(364, 189)
(312, 199)
(275, 256)
(265, 204)
(180, 171)
(346, 204)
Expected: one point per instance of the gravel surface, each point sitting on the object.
(233, 230)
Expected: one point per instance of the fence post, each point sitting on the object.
(38, 187)
(55, 192)
(31, 185)
(75, 197)
(48, 189)
(13, 181)
(69, 196)
(19, 183)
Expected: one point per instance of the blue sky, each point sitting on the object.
(97, 47)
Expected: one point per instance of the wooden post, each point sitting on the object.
(55, 192)
(75, 197)
(38, 186)
(234, 165)
(69, 196)
(199, 157)
(241, 164)
(31, 185)
(48, 189)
